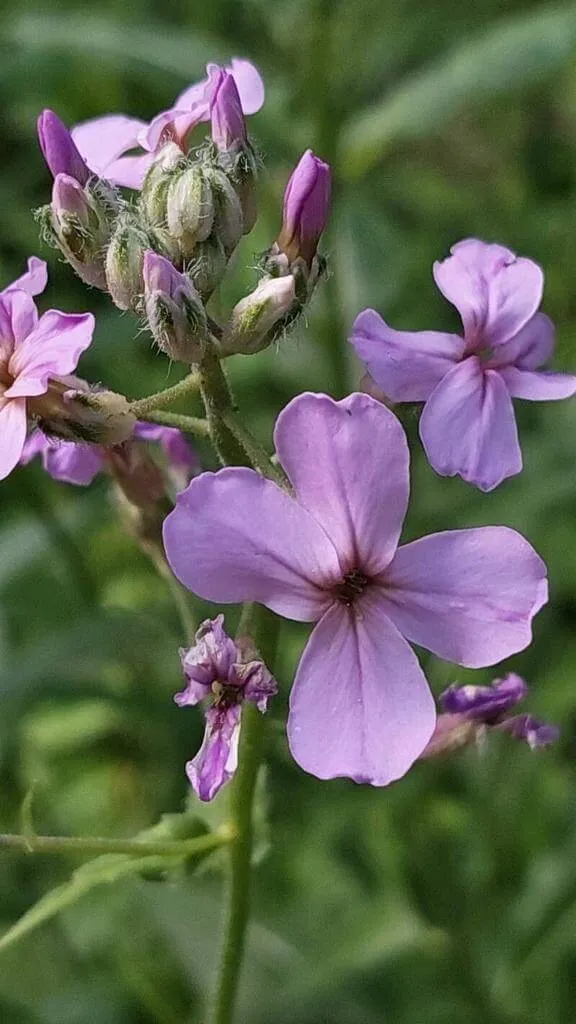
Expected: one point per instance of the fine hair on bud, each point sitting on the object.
(189, 209)
(259, 317)
(208, 266)
(228, 217)
(124, 259)
(83, 415)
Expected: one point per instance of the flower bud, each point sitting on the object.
(79, 226)
(258, 318)
(226, 117)
(59, 149)
(208, 267)
(72, 411)
(306, 206)
(124, 259)
(190, 210)
(154, 196)
(228, 219)
(175, 312)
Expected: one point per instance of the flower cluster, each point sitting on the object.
(313, 534)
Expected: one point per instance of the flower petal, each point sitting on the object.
(18, 317)
(235, 536)
(249, 83)
(51, 350)
(407, 365)
(33, 281)
(217, 759)
(103, 139)
(348, 462)
(538, 386)
(530, 348)
(12, 433)
(495, 291)
(72, 463)
(177, 121)
(467, 595)
(468, 427)
(360, 705)
(130, 171)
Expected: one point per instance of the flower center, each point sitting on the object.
(224, 695)
(352, 587)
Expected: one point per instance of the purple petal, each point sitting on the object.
(51, 350)
(468, 427)
(495, 291)
(18, 318)
(468, 596)
(33, 281)
(59, 149)
(216, 761)
(538, 386)
(175, 123)
(36, 444)
(535, 733)
(178, 450)
(250, 84)
(360, 705)
(258, 683)
(407, 365)
(211, 656)
(130, 171)
(228, 127)
(12, 433)
(73, 463)
(235, 536)
(103, 139)
(348, 462)
(530, 348)
(484, 702)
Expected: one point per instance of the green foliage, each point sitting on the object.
(449, 896)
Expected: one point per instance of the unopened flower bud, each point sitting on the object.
(228, 218)
(226, 117)
(209, 265)
(59, 149)
(175, 312)
(72, 411)
(257, 319)
(190, 210)
(306, 207)
(124, 259)
(79, 226)
(154, 196)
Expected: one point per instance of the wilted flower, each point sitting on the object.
(33, 352)
(174, 309)
(469, 711)
(216, 668)
(360, 705)
(467, 425)
(104, 140)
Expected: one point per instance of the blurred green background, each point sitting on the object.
(451, 896)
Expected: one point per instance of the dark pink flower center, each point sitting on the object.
(225, 696)
(351, 587)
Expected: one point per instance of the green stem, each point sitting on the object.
(189, 424)
(257, 455)
(179, 593)
(189, 384)
(93, 845)
(218, 402)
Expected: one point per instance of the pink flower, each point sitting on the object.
(104, 141)
(467, 426)
(216, 668)
(74, 463)
(32, 352)
(360, 705)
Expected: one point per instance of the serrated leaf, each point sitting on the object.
(509, 55)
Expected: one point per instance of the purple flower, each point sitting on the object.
(215, 668)
(360, 705)
(306, 207)
(226, 116)
(33, 281)
(104, 141)
(467, 425)
(74, 463)
(59, 149)
(469, 710)
(32, 352)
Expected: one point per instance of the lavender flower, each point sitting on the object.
(59, 149)
(104, 141)
(467, 425)
(360, 705)
(306, 207)
(226, 116)
(215, 668)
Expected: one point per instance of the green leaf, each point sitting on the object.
(511, 54)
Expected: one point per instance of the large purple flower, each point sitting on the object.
(33, 351)
(467, 425)
(105, 141)
(360, 705)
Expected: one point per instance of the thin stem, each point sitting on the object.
(217, 400)
(189, 424)
(256, 453)
(179, 593)
(93, 845)
(187, 386)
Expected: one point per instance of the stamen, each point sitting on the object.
(352, 587)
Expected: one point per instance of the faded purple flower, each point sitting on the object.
(59, 149)
(306, 208)
(32, 351)
(104, 141)
(74, 463)
(215, 668)
(360, 705)
(467, 711)
(467, 425)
